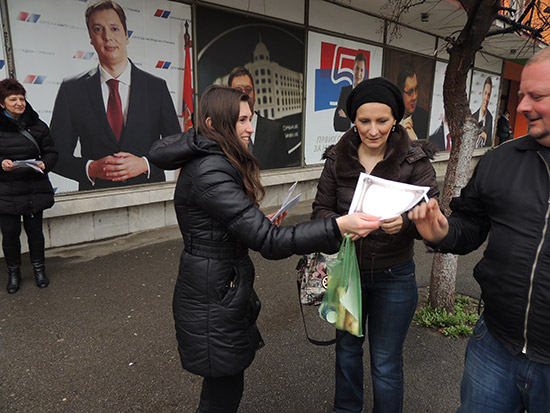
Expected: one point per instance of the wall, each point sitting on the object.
(89, 216)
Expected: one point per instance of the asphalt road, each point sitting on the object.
(100, 338)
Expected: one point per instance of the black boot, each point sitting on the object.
(40, 274)
(14, 279)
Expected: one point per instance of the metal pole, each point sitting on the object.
(6, 31)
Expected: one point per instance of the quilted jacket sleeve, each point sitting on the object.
(218, 190)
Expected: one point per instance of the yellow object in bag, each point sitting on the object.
(342, 305)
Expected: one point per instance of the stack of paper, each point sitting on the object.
(383, 198)
(288, 203)
(29, 163)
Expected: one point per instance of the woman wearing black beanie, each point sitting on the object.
(377, 145)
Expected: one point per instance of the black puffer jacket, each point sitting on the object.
(215, 306)
(403, 162)
(25, 191)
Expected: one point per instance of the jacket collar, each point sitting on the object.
(528, 143)
(28, 118)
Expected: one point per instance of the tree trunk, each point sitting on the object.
(443, 275)
(464, 132)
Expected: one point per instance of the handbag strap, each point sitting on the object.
(339, 334)
(27, 135)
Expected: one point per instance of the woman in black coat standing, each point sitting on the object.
(25, 190)
(216, 199)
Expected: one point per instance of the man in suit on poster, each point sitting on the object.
(441, 137)
(415, 120)
(268, 142)
(341, 121)
(115, 111)
(484, 116)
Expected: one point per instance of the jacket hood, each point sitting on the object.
(28, 118)
(176, 150)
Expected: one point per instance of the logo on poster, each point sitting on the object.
(28, 17)
(34, 79)
(162, 13)
(335, 71)
(83, 55)
(161, 64)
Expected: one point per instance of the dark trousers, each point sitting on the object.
(11, 231)
(222, 394)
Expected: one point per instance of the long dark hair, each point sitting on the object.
(222, 105)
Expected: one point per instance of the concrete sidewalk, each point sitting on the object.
(100, 338)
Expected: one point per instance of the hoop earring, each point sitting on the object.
(355, 129)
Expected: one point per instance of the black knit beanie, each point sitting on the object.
(379, 90)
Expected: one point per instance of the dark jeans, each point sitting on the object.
(495, 380)
(222, 394)
(11, 231)
(389, 298)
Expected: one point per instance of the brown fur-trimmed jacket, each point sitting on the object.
(404, 161)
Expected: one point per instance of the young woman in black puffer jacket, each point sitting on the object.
(216, 200)
(24, 191)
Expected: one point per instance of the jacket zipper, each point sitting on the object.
(533, 269)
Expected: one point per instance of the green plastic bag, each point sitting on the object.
(341, 305)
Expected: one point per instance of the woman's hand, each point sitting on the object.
(392, 225)
(430, 221)
(7, 165)
(279, 220)
(357, 225)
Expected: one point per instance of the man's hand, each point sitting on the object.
(118, 167)
(430, 221)
(407, 123)
(481, 139)
(342, 114)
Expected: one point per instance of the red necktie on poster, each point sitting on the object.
(187, 83)
(448, 147)
(114, 108)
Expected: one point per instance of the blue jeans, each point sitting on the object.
(495, 380)
(390, 297)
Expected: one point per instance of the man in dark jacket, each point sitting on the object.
(507, 365)
(503, 127)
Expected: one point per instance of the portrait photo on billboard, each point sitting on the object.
(334, 67)
(439, 133)
(264, 59)
(413, 75)
(484, 95)
(107, 97)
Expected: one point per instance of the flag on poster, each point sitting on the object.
(187, 107)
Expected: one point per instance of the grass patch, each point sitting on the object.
(459, 324)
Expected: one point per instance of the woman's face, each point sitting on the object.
(244, 128)
(15, 105)
(374, 122)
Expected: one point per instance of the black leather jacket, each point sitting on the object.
(215, 306)
(508, 200)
